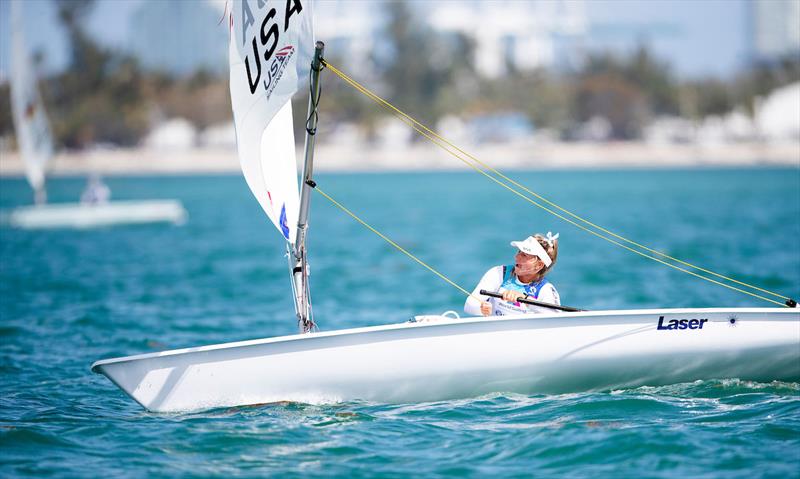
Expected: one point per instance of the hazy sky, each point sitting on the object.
(697, 37)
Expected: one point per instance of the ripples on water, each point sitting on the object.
(68, 298)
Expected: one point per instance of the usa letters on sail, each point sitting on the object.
(271, 47)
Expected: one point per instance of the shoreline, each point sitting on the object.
(350, 158)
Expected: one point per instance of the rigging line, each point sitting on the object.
(577, 225)
(388, 105)
(315, 104)
(409, 120)
(388, 240)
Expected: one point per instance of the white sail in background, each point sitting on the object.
(271, 47)
(30, 121)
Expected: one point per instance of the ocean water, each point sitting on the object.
(68, 298)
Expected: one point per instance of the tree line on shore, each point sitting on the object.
(108, 97)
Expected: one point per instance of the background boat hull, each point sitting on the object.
(77, 215)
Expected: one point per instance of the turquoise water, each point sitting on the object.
(68, 298)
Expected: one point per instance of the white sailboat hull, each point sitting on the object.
(448, 359)
(78, 215)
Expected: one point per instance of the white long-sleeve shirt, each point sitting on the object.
(493, 280)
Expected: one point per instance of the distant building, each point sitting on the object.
(350, 31)
(777, 115)
(776, 29)
(179, 36)
(177, 134)
(507, 34)
(513, 34)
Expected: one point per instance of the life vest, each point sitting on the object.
(510, 282)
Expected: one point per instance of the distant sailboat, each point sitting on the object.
(35, 143)
(34, 139)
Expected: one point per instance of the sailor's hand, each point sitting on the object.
(512, 296)
(486, 308)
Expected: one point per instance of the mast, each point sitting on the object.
(302, 296)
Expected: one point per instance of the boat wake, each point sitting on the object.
(715, 388)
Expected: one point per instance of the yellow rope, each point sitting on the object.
(447, 146)
(388, 240)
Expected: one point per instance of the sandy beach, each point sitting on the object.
(332, 157)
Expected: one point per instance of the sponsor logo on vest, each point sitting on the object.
(681, 323)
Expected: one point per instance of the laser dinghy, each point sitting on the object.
(445, 358)
(430, 357)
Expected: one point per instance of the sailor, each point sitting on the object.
(536, 256)
(96, 192)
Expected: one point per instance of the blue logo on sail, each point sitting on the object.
(284, 224)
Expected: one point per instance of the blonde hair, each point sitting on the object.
(552, 252)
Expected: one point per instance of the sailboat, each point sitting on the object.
(36, 149)
(272, 55)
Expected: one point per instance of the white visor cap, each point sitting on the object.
(531, 246)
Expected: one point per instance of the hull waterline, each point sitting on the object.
(447, 359)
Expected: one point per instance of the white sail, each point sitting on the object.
(30, 121)
(271, 47)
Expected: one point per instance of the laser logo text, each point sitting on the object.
(673, 324)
